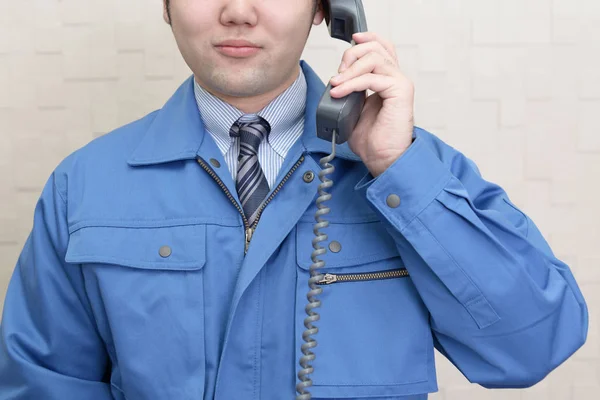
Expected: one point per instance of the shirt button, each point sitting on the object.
(215, 163)
(393, 200)
(164, 251)
(308, 176)
(335, 246)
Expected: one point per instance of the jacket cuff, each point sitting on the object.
(416, 177)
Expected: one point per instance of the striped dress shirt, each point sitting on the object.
(285, 114)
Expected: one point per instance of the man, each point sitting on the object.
(170, 259)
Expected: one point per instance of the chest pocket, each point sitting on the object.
(374, 337)
(145, 287)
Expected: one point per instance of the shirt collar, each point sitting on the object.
(282, 113)
(176, 131)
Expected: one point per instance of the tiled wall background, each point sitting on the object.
(514, 84)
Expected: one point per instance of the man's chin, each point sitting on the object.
(234, 87)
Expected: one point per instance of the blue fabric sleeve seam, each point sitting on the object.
(524, 328)
(472, 300)
(118, 389)
(85, 302)
(520, 212)
(58, 190)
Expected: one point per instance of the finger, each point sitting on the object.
(356, 52)
(385, 86)
(365, 37)
(372, 62)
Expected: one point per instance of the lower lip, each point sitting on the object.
(238, 51)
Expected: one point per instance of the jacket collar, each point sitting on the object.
(177, 131)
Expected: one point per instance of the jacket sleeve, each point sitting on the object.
(49, 347)
(503, 309)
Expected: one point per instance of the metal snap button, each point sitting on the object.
(308, 176)
(393, 200)
(215, 163)
(164, 251)
(335, 246)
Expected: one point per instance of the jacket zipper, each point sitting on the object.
(368, 276)
(249, 229)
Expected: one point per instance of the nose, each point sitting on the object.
(239, 12)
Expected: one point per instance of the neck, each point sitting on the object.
(254, 104)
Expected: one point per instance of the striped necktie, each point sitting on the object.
(251, 184)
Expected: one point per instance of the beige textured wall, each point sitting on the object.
(514, 84)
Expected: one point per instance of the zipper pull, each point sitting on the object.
(249, 233)
(328, 279)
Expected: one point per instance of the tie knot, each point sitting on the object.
(251, 129)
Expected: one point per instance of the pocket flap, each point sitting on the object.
(360, 243)
(183, 247)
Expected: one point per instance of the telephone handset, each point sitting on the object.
(345, 18)
(336, 119)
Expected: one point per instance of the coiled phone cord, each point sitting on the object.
(315, 276)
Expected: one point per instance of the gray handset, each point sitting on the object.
(346, 17)
(336, 119)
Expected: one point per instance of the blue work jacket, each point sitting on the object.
(137, 283)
